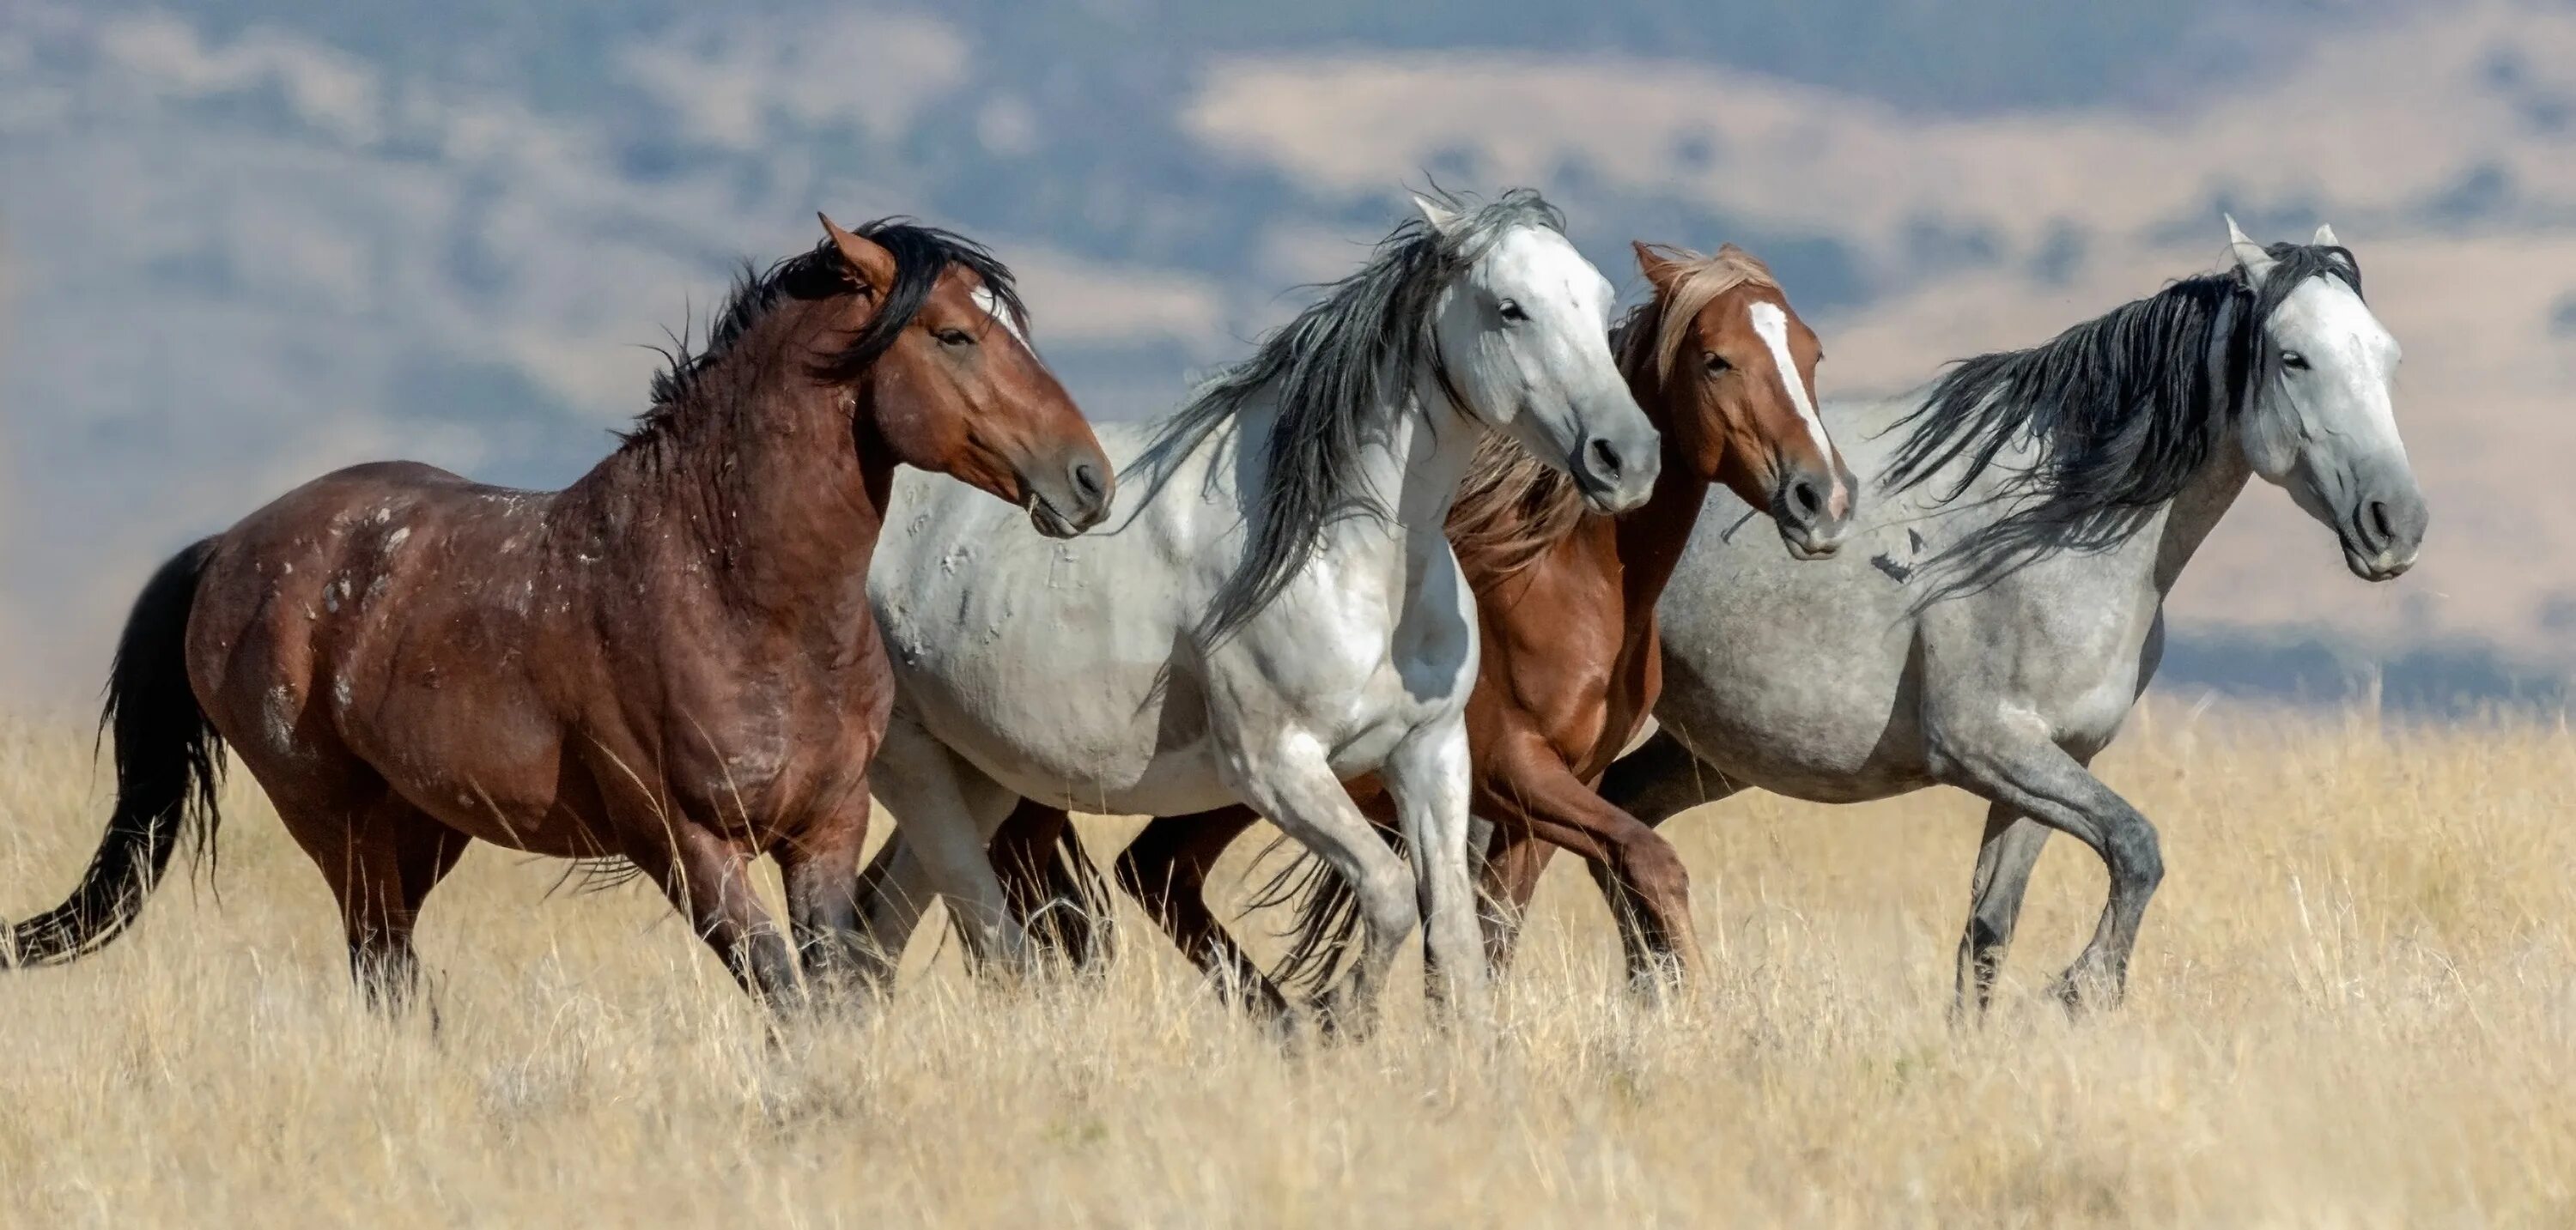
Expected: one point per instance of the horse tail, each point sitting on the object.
(168, 766)
(1326, 934)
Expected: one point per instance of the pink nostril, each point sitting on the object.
(1840, 502)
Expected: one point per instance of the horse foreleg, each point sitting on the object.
(2004, 859)
(708, 879)
(1513, 863)
(1640, 873)
(820, 869)
(1292, 783)
(1166, 870)
(2021, 770)
(1427, 776)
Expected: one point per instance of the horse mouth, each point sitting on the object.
(1047, 520)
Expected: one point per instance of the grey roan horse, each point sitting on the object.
(1993, 622)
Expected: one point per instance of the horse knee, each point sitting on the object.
(2137, 857)
(1653, 868)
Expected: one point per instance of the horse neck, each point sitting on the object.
(2197, 511)
(1417, 460)
(770, 483)
(1650, 541)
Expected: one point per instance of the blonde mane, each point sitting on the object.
(1513, 506)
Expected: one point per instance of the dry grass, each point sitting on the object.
(2353, 1006)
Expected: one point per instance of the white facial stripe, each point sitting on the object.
(992, 305)
(1772, 323)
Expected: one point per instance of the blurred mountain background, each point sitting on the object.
(245, 241)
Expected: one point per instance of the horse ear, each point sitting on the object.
(1439, 214)
(867, 259)
(1660, 269)
(2249, 255)
(2326, 237)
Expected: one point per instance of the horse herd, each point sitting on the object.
(1407, 581)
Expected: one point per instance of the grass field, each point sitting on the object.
(2355, 1004)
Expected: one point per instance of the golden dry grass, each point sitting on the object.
(2353, 1006)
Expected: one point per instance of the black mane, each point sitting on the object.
(921, 255)
(2122, 410)
(1332, 368)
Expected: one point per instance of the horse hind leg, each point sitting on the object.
(2005, 857)
(1049, 882)
(381, 857)
(1166, 870)
(946, 812)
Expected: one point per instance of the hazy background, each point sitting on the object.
(245, 241)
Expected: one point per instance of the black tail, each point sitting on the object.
(169, 761)
(1327, 931)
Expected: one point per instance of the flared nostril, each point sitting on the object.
(1804, 497)
(1605, 459)
(1086, 480)
(2381, 523)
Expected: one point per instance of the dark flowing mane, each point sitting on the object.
(921, 255)
(2121, 412)
(1513, 506)
(1332, 369)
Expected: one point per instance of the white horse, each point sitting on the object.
(1271, 608)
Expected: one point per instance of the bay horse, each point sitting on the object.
(1993, 622)
(1272, 610)
(1565, 600)
(669, 662)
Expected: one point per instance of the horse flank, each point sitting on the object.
(1514, 506)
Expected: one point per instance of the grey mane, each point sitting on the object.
(2123, 410)
(1331, 370)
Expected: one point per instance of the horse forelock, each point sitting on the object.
(1332, 371)
(922, 256)
(1702, 281)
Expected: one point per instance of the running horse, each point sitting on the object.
(1272, 609)
(669, 662)
(1993, 621)
(1565, 598)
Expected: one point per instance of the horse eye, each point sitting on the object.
(1717, 364)
(1510, 310)
(954, 337)
(2294, 360)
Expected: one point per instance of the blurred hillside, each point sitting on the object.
(249, 240)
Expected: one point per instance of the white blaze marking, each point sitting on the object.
(1772, 323)
(992, 305)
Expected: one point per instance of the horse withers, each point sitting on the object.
(670, 662)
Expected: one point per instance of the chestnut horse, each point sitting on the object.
(670, 662)
(1566, 599)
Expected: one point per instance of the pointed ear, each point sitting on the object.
(1658, 264)
(2326, 237)
(1441, 217)
(2249, 255)
(869, 262)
